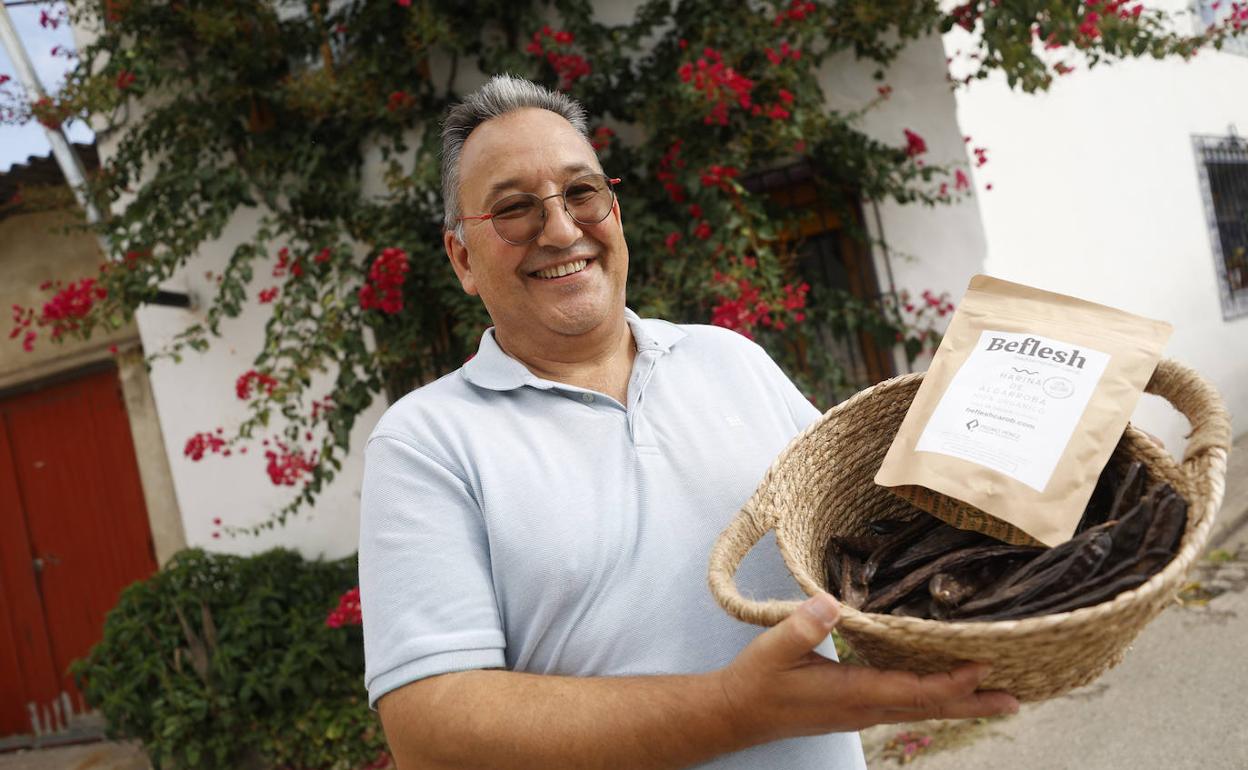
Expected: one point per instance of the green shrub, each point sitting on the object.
(222, 661)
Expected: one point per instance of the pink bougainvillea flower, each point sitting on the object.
(242, 386)
(200, 444)
(347, 613)
(914, 143)
(778, 113)
(286, 466)
(384, 289)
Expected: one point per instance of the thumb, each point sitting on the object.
(791, 639)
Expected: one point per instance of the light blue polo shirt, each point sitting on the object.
(509, 521)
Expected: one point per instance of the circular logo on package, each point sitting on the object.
(1058, 387)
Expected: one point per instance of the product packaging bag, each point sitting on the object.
(1024, 402)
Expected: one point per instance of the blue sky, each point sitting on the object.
(17, 143)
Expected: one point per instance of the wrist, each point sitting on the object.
(735, 711)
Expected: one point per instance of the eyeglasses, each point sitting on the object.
(520, 218)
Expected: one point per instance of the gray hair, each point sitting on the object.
(501, 95)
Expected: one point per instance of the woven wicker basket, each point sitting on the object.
(821, 485)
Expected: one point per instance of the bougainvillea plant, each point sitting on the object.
(256, 106)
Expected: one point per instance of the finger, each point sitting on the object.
(793, 638)
(903, 690)
(983, 703)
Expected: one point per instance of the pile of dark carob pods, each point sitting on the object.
(922, 567)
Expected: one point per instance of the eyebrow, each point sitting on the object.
(511, 182)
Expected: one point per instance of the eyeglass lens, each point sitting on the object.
(521, 217)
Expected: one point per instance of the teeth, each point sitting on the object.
(561, 270)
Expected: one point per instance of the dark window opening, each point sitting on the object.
(1224, 184)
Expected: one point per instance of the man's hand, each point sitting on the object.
(779, 680)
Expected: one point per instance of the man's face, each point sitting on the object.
(536, 151)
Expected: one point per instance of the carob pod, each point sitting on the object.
(853, 580)
(886, 599)
(1054, 555)
(1131, 529)
(832, 569)
(1169, 522)
(920, 606)
(1129, 491)
(951, 588)
(1101, 502)
(1081, 562)
(940, 541)
(859, 545)
(1084, 597)
(1091, 592)
(898, 541)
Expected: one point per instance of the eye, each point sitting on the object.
(513, 208)
(581, 192)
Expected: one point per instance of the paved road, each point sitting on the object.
(95, 756)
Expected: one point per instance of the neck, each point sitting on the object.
(601, 359)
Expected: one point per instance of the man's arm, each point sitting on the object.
(776, 688)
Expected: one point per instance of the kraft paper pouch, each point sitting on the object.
(1024, 402)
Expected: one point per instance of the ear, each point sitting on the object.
(458, 254)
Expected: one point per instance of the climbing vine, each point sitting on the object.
(319, 121)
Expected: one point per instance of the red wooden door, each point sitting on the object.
(73, 533)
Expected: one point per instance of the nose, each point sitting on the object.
(561, 230)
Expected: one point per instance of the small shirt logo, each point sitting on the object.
(734, 421)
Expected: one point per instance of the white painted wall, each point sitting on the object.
(198, 394)
(937, 248)
(1096, 194)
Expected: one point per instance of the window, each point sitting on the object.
(1211, 12)
(831, 258)
(1223, 171)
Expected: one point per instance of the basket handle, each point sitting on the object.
(742, 534)
(1196, 399)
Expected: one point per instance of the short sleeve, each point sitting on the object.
(426, 593)
(800, 409)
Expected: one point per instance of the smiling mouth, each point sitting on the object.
(558, 271)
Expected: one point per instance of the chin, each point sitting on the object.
(579, 319)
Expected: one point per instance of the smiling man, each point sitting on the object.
(536, 526)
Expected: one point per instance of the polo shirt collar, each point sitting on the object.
(493, 369)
